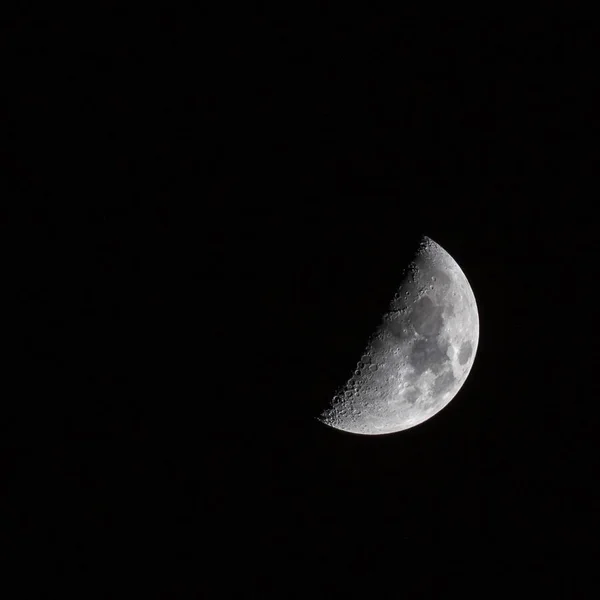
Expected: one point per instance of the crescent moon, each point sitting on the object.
(419, 357)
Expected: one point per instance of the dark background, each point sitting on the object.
(204, 220)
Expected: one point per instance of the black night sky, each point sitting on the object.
(205, 219)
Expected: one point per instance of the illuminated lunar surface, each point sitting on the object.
(420, 355)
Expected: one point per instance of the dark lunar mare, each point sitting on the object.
(466, 350)
(412, 395)
(428, 353)
(426, 317)
(443, 382)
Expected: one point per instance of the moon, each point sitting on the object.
(419, 357)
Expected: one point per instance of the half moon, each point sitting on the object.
(420, 355)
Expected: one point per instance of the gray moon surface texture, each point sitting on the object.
(419, 357)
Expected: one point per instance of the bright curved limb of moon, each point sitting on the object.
(420, 355)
